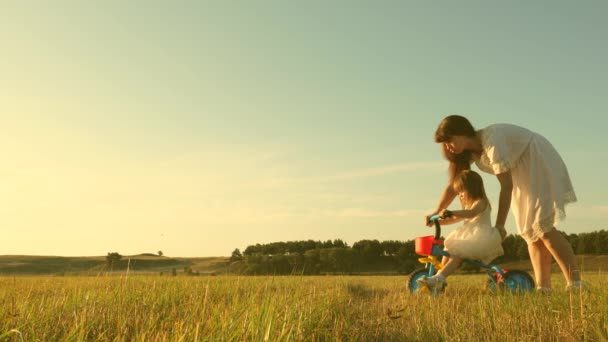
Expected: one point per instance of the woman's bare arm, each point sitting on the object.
(504, 201)
(447, 197)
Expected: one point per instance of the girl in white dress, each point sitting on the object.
(533, 179)
(476, 239)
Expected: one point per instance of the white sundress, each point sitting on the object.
(476, 239)
(541, 184)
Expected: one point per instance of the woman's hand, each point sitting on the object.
(503, 232)
(427, 222)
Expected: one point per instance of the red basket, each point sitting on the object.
(424, 244)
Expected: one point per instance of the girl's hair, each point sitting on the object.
(450, 126)
(471, 183)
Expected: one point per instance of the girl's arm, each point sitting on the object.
(504, 201)
(450, 220)
(477, 208)
(459, 215)
(447, 197)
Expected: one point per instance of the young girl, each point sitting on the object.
(476, 239)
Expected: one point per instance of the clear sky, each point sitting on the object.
(198, 127)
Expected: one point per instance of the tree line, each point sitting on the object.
(335, 256)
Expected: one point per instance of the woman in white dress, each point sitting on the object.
(476, 239)
(533, 179)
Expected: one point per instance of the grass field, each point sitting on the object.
(291, 308)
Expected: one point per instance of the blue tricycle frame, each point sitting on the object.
(499, 279)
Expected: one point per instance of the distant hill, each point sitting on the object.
(213, 265)
(148, 263)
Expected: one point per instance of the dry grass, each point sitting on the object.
(228, 308)
(588, 263)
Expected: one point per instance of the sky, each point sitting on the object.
(198, 127)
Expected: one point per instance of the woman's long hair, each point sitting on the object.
(450, 126)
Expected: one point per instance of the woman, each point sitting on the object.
(533, 179)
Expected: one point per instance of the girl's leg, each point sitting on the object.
(450, 267)
(444, 260)
(541, 262)
(438, 280)
(562, 251)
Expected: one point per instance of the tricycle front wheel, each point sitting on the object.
(413, 286)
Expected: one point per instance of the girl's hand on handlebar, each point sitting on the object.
(445, 214)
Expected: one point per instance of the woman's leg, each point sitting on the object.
(562, 251)
(541, 262)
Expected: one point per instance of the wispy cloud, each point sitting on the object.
(273, 214)
(588, 211)
(371, 213)
(385, 170)
(320, 188)
(602, 208)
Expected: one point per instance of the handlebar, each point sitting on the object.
(435, 219)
